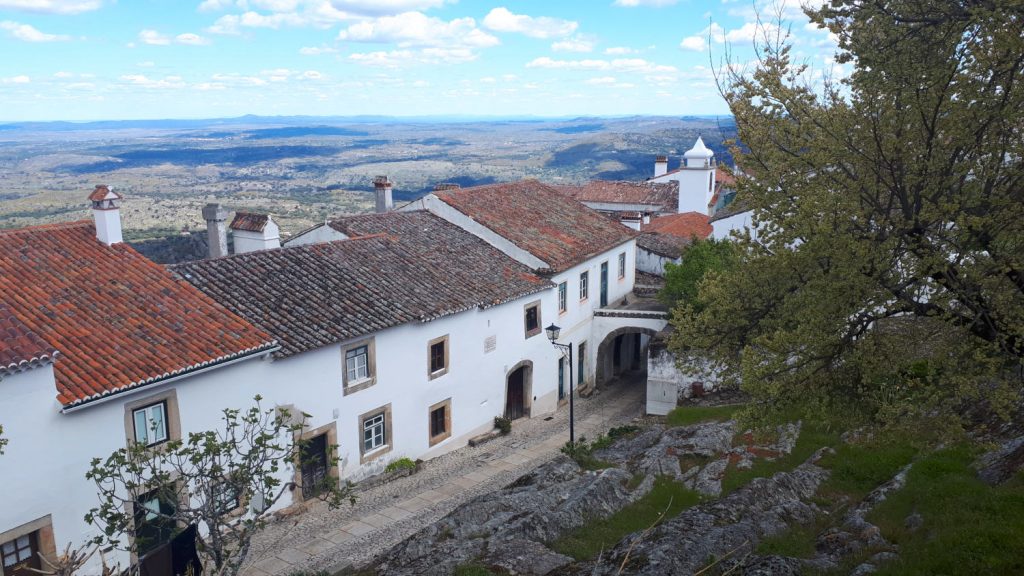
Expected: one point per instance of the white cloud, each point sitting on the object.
(416, 29)
(620, 51)
(399, 58)
(235, 79)
(153, 38)
(574, 44)
(635, 3)
(695, 43)
(29, 33)
(146, 64)
(216, 5)
(62, 74)
(231, 24)
(147, 82)
(51, 6)
(619, 64)
(384, 7)
(699, 41)
(21, 79)
(312, 75)
(191, 39)
(749, 31)
(502, 20)
(317, 50)
(602, 80)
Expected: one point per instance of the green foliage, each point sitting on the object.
(969, 527)
(472, 569)
(688, 415)
(245, 460)
(503, 424)
(886, 275)
(797, 542)
(582, 452)
(617, 432)
(701, 258)
(857, 469)
(665, 501)
(400, 464)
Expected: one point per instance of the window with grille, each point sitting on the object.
(532, 318)
(622, 265)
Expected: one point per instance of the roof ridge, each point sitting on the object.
(45, 227)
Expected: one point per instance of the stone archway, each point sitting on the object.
(618, 354)
(519, 390)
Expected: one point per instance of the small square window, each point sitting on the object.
(437, 357)
(440, 421)
(151, 424)
(562, 289)
(622, 265)
(584, 288)
(531, 318)
(374, 432)
(357, 364)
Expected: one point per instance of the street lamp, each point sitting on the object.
(553, 332)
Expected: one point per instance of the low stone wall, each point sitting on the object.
(667, 384)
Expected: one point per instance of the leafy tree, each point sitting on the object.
(224, 482)
(887, 276)
(699, 258)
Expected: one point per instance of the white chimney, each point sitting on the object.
(660, 165)
(106, 211)
(252, 232)
(382, 188)
(216, 233)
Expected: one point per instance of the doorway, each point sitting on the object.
(314, 466)
(517, 391)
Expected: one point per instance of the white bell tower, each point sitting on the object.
(696, 179)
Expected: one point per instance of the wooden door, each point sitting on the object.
(515, 405)
(20, 557)
(314, 466)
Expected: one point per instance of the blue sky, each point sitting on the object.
(107, 59)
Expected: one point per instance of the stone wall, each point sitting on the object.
(666, 383)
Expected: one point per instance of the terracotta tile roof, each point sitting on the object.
(686, 225)
(539, 219)
(662, 244)
(665, 194)
(119, 320)
(399, 267)
(249, 221)
(20, 347)
(102, 192)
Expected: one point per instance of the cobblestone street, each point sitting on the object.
(323, 539)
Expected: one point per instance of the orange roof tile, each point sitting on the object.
(686, 225)
(20, 347)
(249, 221)
(665, 194)
(119, 320)
(540, 220)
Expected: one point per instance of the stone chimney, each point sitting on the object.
(382, 187)
(106, 212)
(446, 186)
(216, 232)
(660, 165)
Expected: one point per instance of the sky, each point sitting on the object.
(142, 59)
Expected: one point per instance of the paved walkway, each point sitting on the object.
(323, 539)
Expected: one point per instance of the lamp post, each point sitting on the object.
(553, 332)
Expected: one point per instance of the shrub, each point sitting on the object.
(503, 424)
(400, 464)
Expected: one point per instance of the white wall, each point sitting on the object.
(647, 261)
(693, 187)
(743, 221)
(667, 384)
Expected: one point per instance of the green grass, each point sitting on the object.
(797, 542)
(687, 415)
(473, 569)
(857, 469)
(969, 527)
(665, 496)
(812, 436)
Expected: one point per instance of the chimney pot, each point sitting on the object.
(106, 213)
(382, 189)
(660, 165)
(216, 234)
(446, 186)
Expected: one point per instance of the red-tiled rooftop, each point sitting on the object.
(20, 347)
(664, 195)
(119, 320)
(249, 221)
(685, 225)
(540, 220)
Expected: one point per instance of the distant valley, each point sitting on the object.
(306, 169)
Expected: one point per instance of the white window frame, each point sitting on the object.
(354, 372)
(372, 424)
(622, 265)
(149, 423)
(584, 285)
(563, 292)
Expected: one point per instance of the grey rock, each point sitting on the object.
(884, 557)
(709, 480)
(913, 522)
(771, 566)
(520, 556)
(1001, 464)
(864, 569)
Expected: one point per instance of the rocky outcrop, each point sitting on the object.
(507, 528)
(1003, 463)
